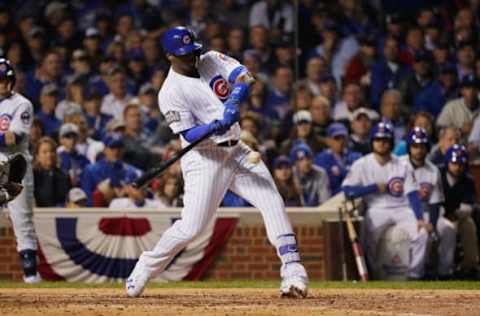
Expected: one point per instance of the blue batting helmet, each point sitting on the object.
(418, 135)
(179, 41)
(382, 130)
(7, 72)
(457, 154)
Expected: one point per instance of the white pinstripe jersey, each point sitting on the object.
(16, 114)
(187, 102)
(428, 181)
(366, 171)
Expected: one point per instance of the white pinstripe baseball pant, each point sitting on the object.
(208, 172)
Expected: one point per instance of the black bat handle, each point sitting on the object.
(155, 171)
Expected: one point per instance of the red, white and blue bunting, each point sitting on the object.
(104, 246)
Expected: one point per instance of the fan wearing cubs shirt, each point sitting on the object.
(430, 193)
(16, 114)
(201, 94)
(386, 186)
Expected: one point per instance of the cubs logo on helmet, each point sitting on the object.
(395, 187)
(382, 130)
(418, 135)
(220, 87)
(456, 154)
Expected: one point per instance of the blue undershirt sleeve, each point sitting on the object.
(415, 204)
(355, 191)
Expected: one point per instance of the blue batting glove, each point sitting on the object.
(239, 93)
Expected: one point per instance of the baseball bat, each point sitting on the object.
(157, 170)
(356, 247)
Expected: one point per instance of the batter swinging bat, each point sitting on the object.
(357, 248)
(157, 170)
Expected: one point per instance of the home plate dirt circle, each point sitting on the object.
(264, 302)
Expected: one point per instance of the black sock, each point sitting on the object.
(28, 258)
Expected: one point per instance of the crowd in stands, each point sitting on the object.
(93, 69)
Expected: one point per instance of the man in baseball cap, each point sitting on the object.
(337, 159)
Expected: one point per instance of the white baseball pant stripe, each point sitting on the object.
(377, 220)
(208, 173)
(21, 214)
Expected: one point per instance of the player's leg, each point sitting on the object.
(206, 181)
(406, 219)
(447, 239)
(21, 214)
(254, 183)
(467, 231)
(376, 222)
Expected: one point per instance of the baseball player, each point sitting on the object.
(16, 114)
(430, 193)
(385, 183)
(201, 94)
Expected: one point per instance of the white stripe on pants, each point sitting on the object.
(208, 173)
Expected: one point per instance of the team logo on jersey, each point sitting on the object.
(25, 117)
(424, 191)
(220, 87)
(5, 122)
(186, 39)
(395, 186)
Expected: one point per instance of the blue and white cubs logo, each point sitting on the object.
(5, 122)
(395, 186)
(220, 87)
(424, 191)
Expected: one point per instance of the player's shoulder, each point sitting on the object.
(18, 99)
(363, 161)
(213, 57)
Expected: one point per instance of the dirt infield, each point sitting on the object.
(351, 302)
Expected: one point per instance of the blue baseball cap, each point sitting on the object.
(469, 81)
(300, 151)
(282, 160)
(114, 140)
(337, 129)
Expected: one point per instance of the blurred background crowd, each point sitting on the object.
(326, 70)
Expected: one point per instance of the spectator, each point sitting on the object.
(96, 121)
(460, 200)
(352, 99)
(50, 182)
(301, 132)
(337, 159)
(387, 72)
(114, 103)
(313, 180)
(420, 119)
(361, 123)
(316, 67)
(148, 103)
(321, 118)
(135, 199)
(259, 40)
(275, 16)
(390, 112)
(36, 132)
(76, 199)
(447, 137)
(74, 96)
(46, 112)
(71, 162)
(414, 41)
(169, 192)
(236, 43)
(277, 102)
(434, 96)
(111, 167)
(86, 145)
(337, 51)
(91, 44)
(136, 142)
(359, 67)
(137, 68)
(465, 60)
(49, 71)
(418, 79)
(284, 180)
(460, 112)
(80, 64)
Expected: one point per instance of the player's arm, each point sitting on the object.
(353, 185)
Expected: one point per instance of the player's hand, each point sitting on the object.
(239, 93)
(219, 127)
(382, 187)
(422, 224)
(9, 138)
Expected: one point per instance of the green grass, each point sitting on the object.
(460, 285)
